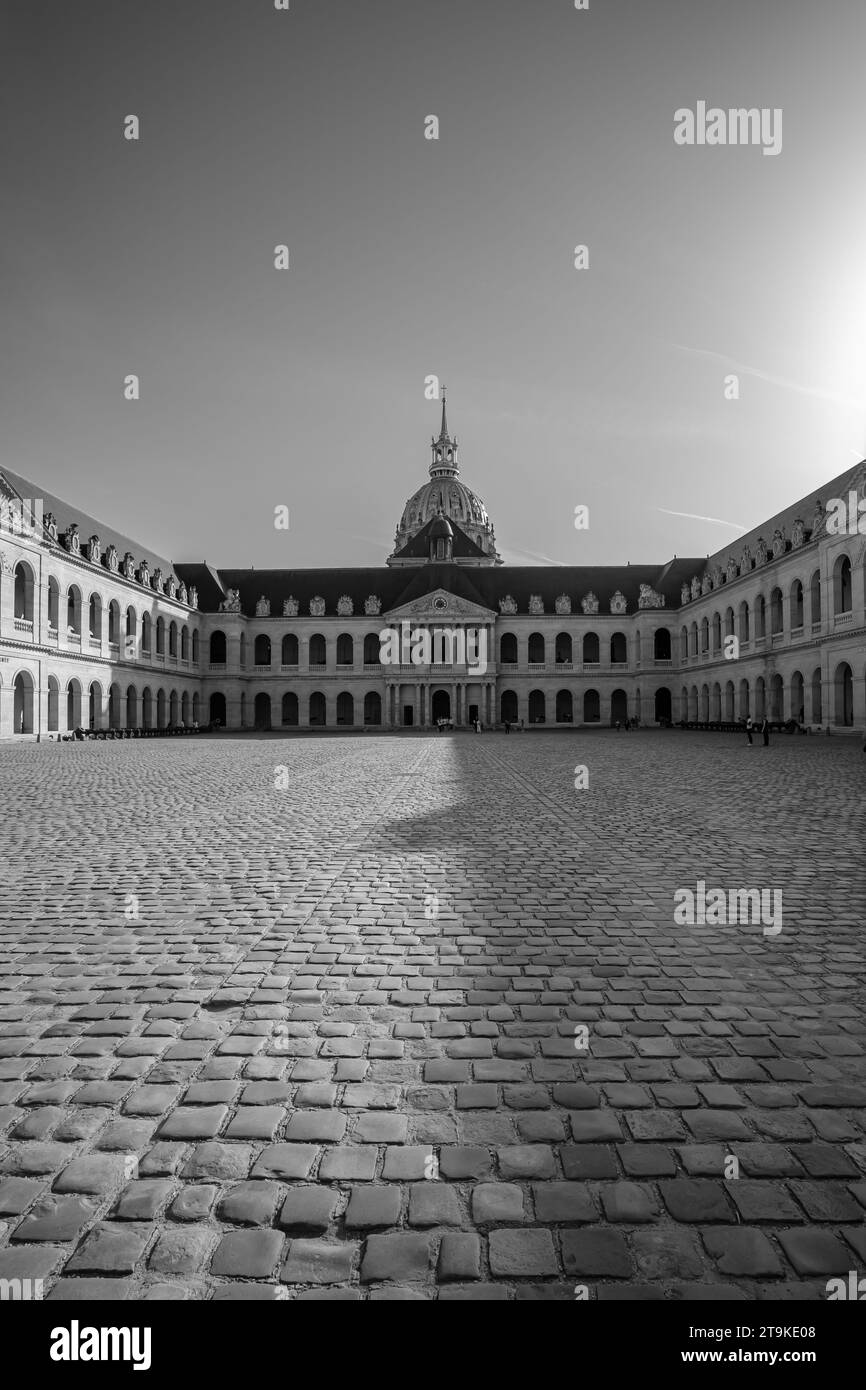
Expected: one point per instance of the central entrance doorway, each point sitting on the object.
(408, 716)
(441, 705)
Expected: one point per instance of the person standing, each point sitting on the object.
(749, 727)
(765, 730)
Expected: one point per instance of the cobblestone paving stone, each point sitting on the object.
(245, 1054)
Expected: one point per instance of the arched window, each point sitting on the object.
(564, 707)
(694, 639)
(114, 706)
(508, 707)
(184, 644)
(508, 649)
(662, 645)
(53, 603)
(173, 710)
(24, 598)
(318, 653)
(94, 616)
(815, 597)
(591, 650)
(684, 644)
(562, 647)
(147, 708)
(131, 708)
(744, 621)
(262, 650)
(146, 631)
(22, 713)
(53, 705)
(744, 699)
(345, 708)
(217, 709)
(776, 621)
(844, 685)
(195, 651)
(317, 707)
(536, 649)
(94, 712)
(760, 617)
(289, 714)
(842, 588)
(591, 707)
(345, 649)
(618, 707)
(798, 697)
(73, 611)
(372, 649)
(131, 623)
(705, 635)
(73, 706)
(262, 711)
(796, 598)
(717, 632)
(172, 638)
(217, 649)
(663, 705)
(289, 650)
(160, 638)
(373, 707)
(537, 708)
(817, 703)
(618, 649)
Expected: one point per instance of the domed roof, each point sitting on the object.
(448, 495)
(444, 493)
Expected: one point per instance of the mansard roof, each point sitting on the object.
(68, 514)
(784, 521)
(484, 586)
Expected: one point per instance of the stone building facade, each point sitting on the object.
(97, 631)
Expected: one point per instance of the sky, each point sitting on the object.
(410, 258)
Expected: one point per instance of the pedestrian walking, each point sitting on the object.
(749, 727)
(765, 730)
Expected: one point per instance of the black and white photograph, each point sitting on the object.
(432, 672)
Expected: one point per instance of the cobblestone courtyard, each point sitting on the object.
(321, 1040)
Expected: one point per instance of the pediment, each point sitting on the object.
(440, 606)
